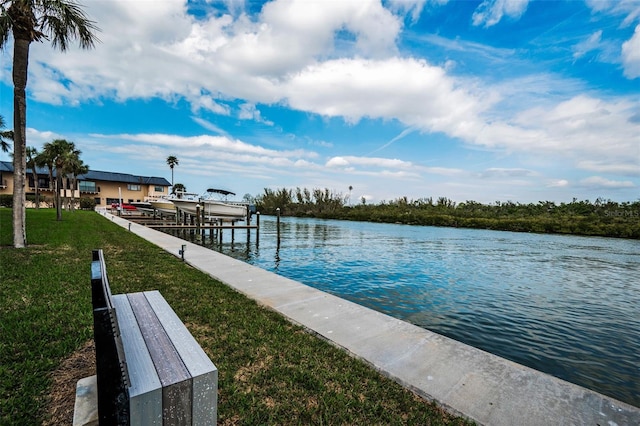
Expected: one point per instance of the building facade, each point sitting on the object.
(105, 188)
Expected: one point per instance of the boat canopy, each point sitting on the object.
(220, 191)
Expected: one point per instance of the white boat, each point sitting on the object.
(143, 206)
(165, 205)
(212, 208)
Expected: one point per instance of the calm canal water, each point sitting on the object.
(565, 305)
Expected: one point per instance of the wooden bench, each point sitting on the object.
(150, 370)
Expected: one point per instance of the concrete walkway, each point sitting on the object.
(467, 381)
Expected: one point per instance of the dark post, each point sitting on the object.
(257, 229)
(278, 224)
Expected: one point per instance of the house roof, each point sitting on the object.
(95, 175)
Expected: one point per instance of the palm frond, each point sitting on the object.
(65, 21)
(5, 27)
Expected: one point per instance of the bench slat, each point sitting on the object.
(174, 376)
(145, 393)
(203, 371)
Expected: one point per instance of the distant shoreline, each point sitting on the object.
(600, 218)
(571, 225)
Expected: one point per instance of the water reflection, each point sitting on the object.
(563, 305)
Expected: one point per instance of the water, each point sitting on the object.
(564, 305)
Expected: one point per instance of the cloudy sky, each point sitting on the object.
(489, 100)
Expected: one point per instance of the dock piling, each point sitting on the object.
(278, 225)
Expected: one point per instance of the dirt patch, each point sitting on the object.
(61, 399)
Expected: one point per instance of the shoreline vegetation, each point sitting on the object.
(603, 218)
(270, 370)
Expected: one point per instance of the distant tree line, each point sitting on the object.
(598, 218)
(300, 202)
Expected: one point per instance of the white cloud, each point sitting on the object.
(631, 55)
(151, 49)
(628, 8)
(490, 12)
(445, 171)
(630, 51)
(369, 162)
(410, 90)
(213, 144)
(208, 103)
(235, 7)
(210, 126)
(250, 112)
(629, 168)
(583, 128)
(584, 47)
(498, 172)
(287, 36)
(337, 162)
(37, 138)
(560, 183)
(413, 7)
(598, 182)
(203, 157)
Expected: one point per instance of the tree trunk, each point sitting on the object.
(74, 182)
(58, 194)
(35, 184)
(20, 65)
(37, 193)
(51, 182)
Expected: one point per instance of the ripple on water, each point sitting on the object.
(564, 305)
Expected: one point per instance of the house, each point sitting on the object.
(105, 188)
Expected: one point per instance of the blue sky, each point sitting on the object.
(488, 101)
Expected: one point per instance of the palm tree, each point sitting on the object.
(32, 163)
(178, 187)
(4, 134)
(45, 159)
(59, 153)
(172, 162)
(35, 20)
(74, 167)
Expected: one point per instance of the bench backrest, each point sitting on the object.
(111, 365)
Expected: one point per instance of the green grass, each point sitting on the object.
(270, 371)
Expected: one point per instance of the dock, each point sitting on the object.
(169, 226)
(166, 223)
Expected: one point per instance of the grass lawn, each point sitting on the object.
(270, 371)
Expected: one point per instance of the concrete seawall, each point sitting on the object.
(465, 380)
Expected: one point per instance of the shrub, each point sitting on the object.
(6, 200)
(87, 203)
